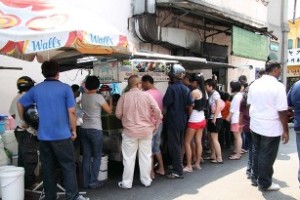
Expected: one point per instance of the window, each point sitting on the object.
(298, 42)
(290, 43)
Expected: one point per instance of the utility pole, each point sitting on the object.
(294, 13)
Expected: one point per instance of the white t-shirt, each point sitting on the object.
(13, 110)
(213, 103)
(235, 108)
(266, 97)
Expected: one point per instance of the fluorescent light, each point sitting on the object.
(86, 59)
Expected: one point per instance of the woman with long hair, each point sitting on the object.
(196, 123)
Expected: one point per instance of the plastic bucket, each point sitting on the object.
(4, 168)
(103, 168)
(12, 183)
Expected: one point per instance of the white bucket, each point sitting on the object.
(102, 176)
(12, 183)
(4, 168)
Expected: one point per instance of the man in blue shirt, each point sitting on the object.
(57, 128)
(294, 102)
(177, 100)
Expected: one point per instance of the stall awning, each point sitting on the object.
(189, 63)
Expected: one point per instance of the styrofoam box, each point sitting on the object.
(10, 141)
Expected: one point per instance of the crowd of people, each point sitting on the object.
(252, 118)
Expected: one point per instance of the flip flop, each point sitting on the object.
(159, 174)
(244, 151)
(186, 169)
(216, 162)
(174, 176)
(234, 158)
(208, 158)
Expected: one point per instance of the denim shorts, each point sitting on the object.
(156, 140)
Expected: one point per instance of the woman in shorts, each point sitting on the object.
(214, 123)
(235, 118)
(196, 124)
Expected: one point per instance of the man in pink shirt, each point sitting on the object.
(135, 108)
(148, 86)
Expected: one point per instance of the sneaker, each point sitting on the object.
(80, 197)
(98, 184)
(174, 176)
(253, 182)
(120, 184)
(273, 187)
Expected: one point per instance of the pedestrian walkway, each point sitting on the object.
(214, 182)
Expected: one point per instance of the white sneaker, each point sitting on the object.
(80, 197)
(273, 187)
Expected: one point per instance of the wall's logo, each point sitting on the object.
(8, 20)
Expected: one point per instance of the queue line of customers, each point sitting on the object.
(141, 116)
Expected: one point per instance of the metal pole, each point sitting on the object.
(294, 13)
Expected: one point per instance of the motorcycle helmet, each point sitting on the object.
(177, 71)
(24, 83)
(31, 116)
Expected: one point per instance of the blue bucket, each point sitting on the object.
(2, 127)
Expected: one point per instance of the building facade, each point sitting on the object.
(293, 52)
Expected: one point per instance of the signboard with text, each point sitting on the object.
(293, 57)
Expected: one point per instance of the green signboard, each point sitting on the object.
(248, 44)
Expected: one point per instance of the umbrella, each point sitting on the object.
(46, 29)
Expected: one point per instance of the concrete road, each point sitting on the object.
(214, 182)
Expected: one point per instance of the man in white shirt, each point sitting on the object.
(268, 122)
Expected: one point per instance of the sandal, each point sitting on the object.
(188, 170)
(216, 162)
(244, 151)
(174, 176)
(208, 158)
(197, 167)
(234, 157)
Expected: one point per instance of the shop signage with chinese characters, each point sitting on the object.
(293, 57)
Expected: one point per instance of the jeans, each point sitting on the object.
(53, 153)
(264, 151)
(245, 141)
(175, 142)
(156, 140)
(225, 135)
(250, 147)
(92, 143)
(298, 150)
(28, 146)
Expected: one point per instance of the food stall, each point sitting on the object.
(114, 73)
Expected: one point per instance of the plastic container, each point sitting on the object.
(2, 127)
(10, 141)
(102, 176)
(10, 123)
(12, 183)
(3, 168)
